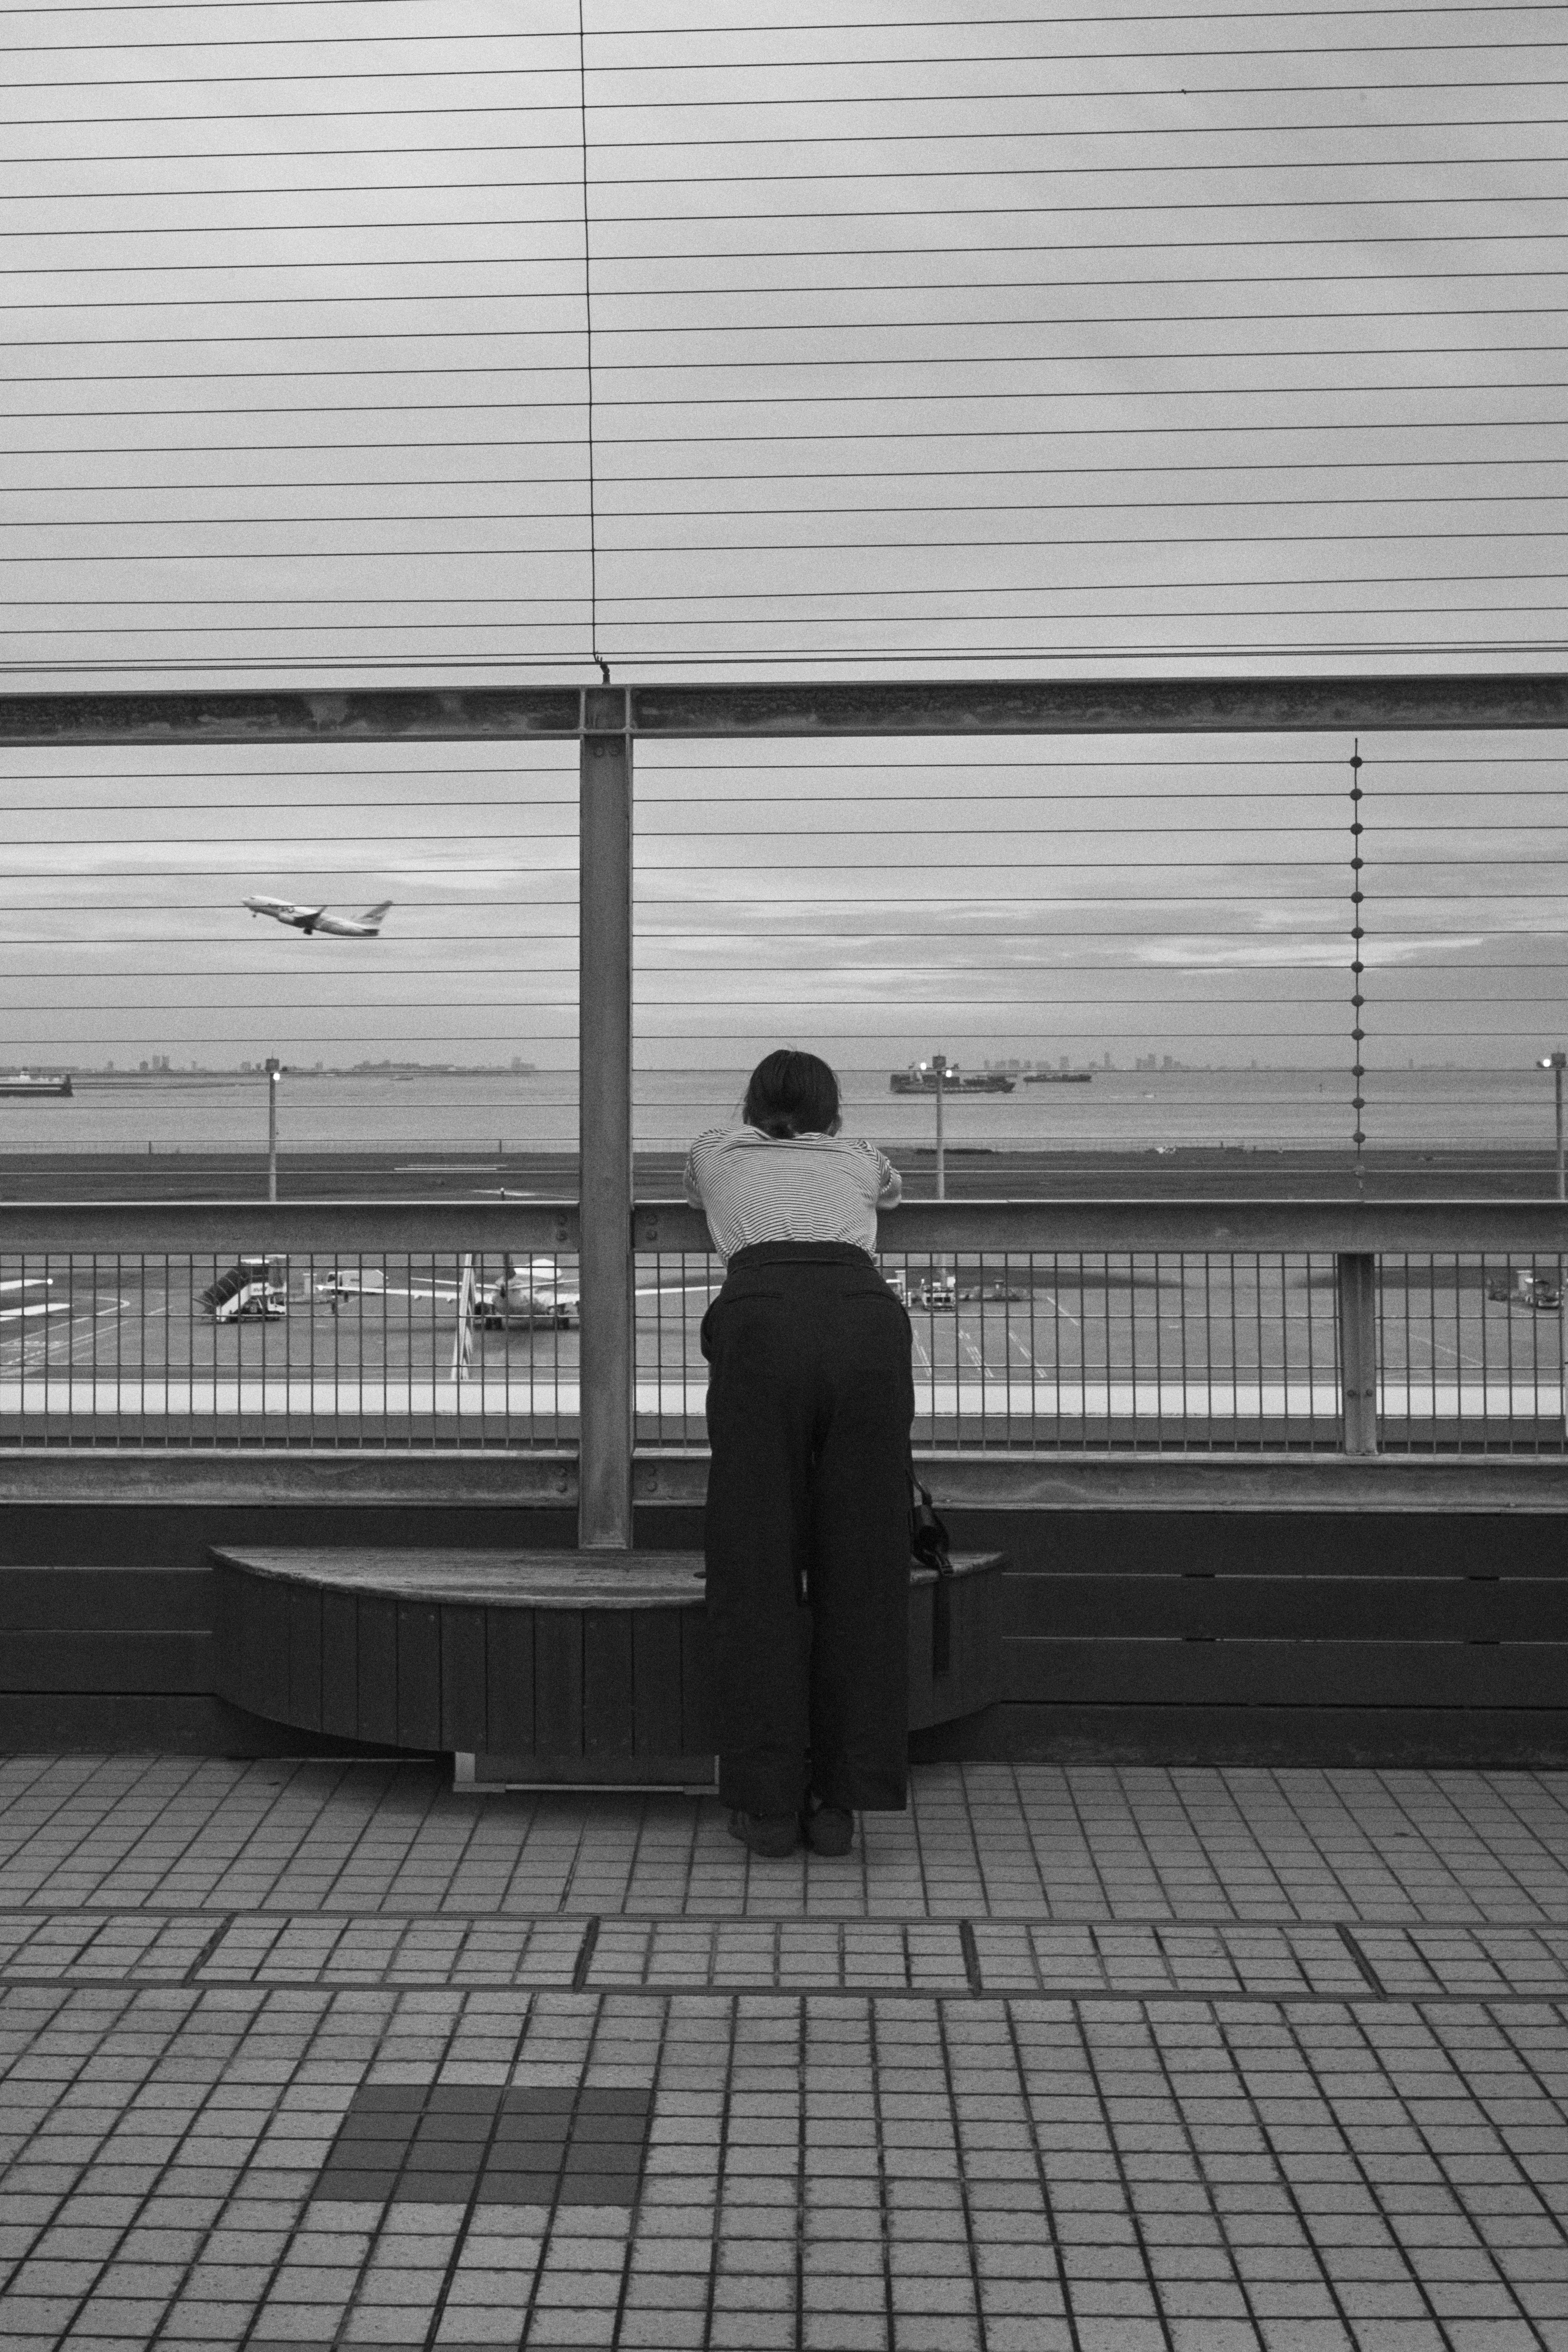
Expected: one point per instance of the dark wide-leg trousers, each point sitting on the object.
(809, 1406)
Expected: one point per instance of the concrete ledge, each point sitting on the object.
(454, 1477)
(215, 1475)
(1210, 1482)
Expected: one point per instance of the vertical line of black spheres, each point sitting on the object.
(1358, 1072)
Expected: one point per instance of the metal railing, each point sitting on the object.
(1226, 1328)
(258, 1327)
(1180, 1326)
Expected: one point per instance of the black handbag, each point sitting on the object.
(928, 1548)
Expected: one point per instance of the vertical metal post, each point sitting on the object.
(938, 1063)
(274, 1072)
(604, 1122)
(1561, 1285)
(1357, 1279)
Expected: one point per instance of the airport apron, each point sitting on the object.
(810, 1401)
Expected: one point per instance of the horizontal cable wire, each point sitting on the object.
(1534, 498)
(792, 143)
(792, 437)
(1054, 210)
(683, 32)
(296, 300)
(516, 107)
(780, 179)
(492, 333)
(215, 667)
(869, 24)
(926, 362)
(1491, 46)
(228, 265)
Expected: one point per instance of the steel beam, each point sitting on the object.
(604, 1119)
(1110, 706)
(1101, 706)
(865, 707)
(1449, 1228)
(256, 1228)
(286, 715)
(1335, 1228)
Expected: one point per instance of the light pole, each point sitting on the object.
(274, 1072)
(938, 1064)
(1557, 1062)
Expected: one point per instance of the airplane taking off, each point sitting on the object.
(316, 919)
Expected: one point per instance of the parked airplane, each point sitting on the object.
(530, 1293)
(316, 919)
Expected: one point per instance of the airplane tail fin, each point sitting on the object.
(374, 914)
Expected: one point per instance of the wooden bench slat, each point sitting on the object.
(554, 1654)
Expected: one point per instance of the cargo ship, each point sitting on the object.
(24, 1084)
(921, 1079)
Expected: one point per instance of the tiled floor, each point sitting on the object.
(1092, 2060)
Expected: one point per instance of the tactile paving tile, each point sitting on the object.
(1417, 1962)
(108, 1945)
(1132, 1957)
(445, 2144)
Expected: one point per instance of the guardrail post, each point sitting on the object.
(605, 1123)
(1356, 1283)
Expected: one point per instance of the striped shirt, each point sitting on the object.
(803, 1188)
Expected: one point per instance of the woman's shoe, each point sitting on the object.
(774, 1835)
(829, 1829)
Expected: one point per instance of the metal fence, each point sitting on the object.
(302, 1328)
(1037, 1328)
(1173, 1351)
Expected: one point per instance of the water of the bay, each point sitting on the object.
(429, 1112)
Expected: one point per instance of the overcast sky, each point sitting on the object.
(1118, 339)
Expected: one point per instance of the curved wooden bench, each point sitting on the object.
(546, 1664)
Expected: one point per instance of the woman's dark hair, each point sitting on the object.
(791, 1094)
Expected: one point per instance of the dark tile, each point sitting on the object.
(613, 2100)
(532, 2131)
(604, 2157)
(372, 2147)
(452, 2131)
(462, 2099)
(369, 2187)
(546, 2100)
(599, 2189)
(434, 2189)
(517, 2188)
(443, 2157)
(628, 2131)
